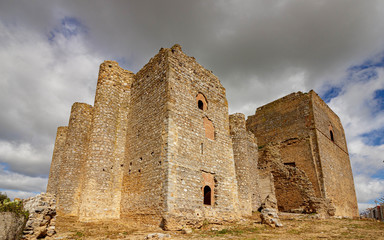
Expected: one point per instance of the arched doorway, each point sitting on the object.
(207, 195)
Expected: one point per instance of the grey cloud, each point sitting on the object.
(9, 180)
(260, 50)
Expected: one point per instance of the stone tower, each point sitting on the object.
(309, 136)
(159, 147)
(155, 146)
(179, 158)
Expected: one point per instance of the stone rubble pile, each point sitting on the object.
(269, 212)
(42, 217)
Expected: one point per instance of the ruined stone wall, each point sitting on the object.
(145, 166)
(104, 166)
(199, 143)
(253, 157)
(57, 158)
(73, 159)
(245, 153)
(335, 163)
(289, 122)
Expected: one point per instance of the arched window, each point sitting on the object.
(202, 103)
(207, 195)
(331, 133)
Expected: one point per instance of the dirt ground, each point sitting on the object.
(295, 227)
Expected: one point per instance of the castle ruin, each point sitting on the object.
(159, 146)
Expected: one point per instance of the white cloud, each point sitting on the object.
(358, 111)
(19, 194)
(368, 189)
(24, 158)
(10, 180)
(41, 77)
(356, 107)
(260, 50)
(364, 206)
(40, 81)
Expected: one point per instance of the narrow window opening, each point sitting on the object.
(200, 104)
(207, 195)
(292, 164)
(202, 148)
(331, 133)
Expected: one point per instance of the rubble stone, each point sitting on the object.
(42, 216)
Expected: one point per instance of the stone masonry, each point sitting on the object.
(159, 147)
(309, 136)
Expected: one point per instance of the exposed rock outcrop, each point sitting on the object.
(11, 225)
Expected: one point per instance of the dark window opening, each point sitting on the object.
(331, 133)
(202, 148)
(200, 104)
(207, 195)
(292, 164)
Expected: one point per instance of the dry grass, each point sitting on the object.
(295, 227)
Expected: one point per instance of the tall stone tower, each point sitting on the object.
(311, 138)
(155, 146)
(179, 158)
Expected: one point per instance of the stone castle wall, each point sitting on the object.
(101, 192)
(300, 124)
(245, 153)
(145, 166)
(57, 158)
(159, 146)
(288, 121)
(201, 174)
(74, 156)
(335, 163)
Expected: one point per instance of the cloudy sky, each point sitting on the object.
(261, 50)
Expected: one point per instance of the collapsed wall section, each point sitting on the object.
(103, 170)
(289, 123)
(245, 154)
(201, 178)
(334, 157)
(74, 156)
(145, 164)
(57, 159)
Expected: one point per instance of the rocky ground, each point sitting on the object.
(44, 224)
(295, 227)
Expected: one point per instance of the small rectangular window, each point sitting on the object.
(292, 164)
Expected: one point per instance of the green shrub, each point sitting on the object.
(3, 197)
(7, 206)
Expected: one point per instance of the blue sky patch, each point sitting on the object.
(330, 93)
(4, 166)
(69, 27)
(379, 174)
(374, 138)
(366, 70)
(378, 96)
